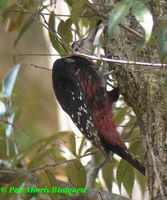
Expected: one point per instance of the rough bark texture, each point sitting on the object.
(144, 89)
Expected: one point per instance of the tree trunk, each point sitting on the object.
(144, 89)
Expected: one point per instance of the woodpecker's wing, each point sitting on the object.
(70, 96)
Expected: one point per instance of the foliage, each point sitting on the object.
(138, 9)
(37, 153)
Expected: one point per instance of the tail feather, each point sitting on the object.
(131, 159)
(121, 150)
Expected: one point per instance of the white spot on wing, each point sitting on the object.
(79, 113)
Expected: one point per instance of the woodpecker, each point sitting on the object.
(78, 89)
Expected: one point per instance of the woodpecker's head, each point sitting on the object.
(63, 75)
(71, 66)
(69, 74)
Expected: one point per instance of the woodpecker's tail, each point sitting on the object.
(121, 150)
(131, 159)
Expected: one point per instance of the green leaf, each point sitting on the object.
(142, 181)
(76, 10)
(99, 157)
(119, 116)
(2, 108)
(125, 176)
(23, 29)
(52, 35)
(76, 173)
(64, 30)
(47, 179)
(3, 154)
(69, 141)
(69, 2)
(90, 150)
(51, 182)
(117, 14)
(4, 3)
(144, 17)
(16, 183)
(162, 41)
(49, 140)
(51, 177)
(107, 173)
(81, 145)
(131, 128)
(136, 148)
(40, 145)
(40, 158)
(9, 80)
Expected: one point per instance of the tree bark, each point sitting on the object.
(144, 89)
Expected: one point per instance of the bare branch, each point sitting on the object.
(120, 61)
(39, 67)
(42, 13)
(104, 59)
(39, 54)
(61, 162)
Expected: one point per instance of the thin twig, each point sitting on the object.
(42, 13)
(64, 45)
(39, 67)
(46, 166)
(50, 165)
(130, 30)
(104, 59)
(39, 54)
(100, 195)
(120, 61)
(13, 125)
